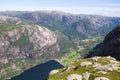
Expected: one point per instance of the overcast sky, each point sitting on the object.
(99, 7)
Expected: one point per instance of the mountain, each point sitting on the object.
(39, 72)
(23, 46)
(73, 26)
(95, 68)
(70, 29)
(110, 45)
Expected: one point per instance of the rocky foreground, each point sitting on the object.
(95, 68)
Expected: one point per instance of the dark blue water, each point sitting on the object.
(39, 72)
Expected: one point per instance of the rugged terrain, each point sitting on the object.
(25, 40)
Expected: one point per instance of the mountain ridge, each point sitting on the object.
(64, 22)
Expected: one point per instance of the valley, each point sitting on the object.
(28, 39)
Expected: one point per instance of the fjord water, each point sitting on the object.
(39, 72)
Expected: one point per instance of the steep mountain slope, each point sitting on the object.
(95, 68)
(23, 46)
(110, 46)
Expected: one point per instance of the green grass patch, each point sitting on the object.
(69, 57)
(8, 27)
(23, 41)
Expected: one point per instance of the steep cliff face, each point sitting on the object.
(23, 46)
(110, 46)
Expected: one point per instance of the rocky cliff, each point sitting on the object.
(110, 46)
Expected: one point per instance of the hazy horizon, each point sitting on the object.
(89, 7)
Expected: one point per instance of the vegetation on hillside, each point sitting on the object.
(22, 42)
(8, 27)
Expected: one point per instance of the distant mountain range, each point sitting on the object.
(80, 26)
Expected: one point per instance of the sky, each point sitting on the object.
(95, 7)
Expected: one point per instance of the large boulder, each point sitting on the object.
(86, 75)
(87, 63)
(53, 72)
(101, 78)
(74, 77)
